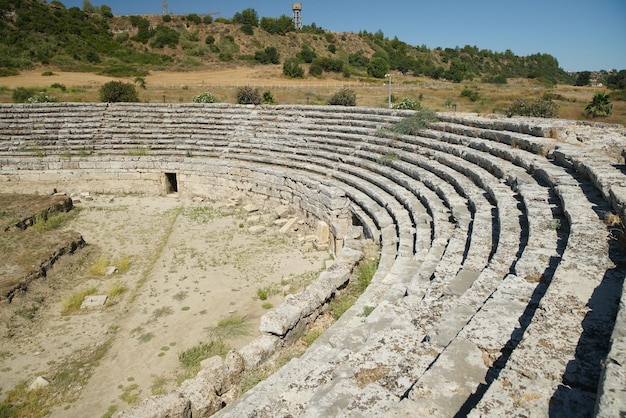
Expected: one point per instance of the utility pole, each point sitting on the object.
(164, 8)
(389, 76)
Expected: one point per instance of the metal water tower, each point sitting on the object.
(297, 15)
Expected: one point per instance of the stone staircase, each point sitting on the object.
(500, 285)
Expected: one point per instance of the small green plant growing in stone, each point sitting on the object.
(367, 310)
(388, 159)
(261, 294)
(553, 224)
(412, 125)
(311, 336)
(138, 152)
(340, 304)
(267, 305)
(159, 385)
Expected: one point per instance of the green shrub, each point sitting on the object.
(292, 69)
(268, 98)
(536, 108)
(165, 36)
(167, 18)
(247, 29)
(58, 86)
(248, 95)
(332, 48)
(316, 70)
(408, 104)
(268, 56)
(344, 97)
(470, 94)
(193, 17)
(22, 94)
(378, 67)
(205, 97)
(307, 55)
(210, 40)
(122, 70)
(116, 91)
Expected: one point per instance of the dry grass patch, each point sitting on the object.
(72, 303)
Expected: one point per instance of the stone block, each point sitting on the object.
(93, 301)
(288, 226)
(283, 211)
(250, 208)
(323, 232)
(256, 229)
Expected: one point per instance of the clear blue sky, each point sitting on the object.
(581, 34)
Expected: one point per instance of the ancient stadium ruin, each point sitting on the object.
(499, 289)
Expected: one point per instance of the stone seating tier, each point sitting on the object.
(499, 281)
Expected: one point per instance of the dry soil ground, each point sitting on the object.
(183, 265)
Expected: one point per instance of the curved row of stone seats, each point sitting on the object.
(429, 319)
(584, 228)
(426, 363)
(567, 197)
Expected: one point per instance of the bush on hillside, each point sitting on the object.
(248, 95)
(292, 69)
(378, 67)
(344, 97)
(116, 91)
(22, 94)
(540, 108)
(268, 98)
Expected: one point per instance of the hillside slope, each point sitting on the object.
(34, 33)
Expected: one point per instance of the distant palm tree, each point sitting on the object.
(600, 106)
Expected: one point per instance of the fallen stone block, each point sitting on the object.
(93, 301)
(288, 226)
(251, 208)
(257, 229)
(39, 383)
(254, 219)
(283, 211)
